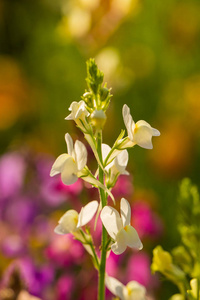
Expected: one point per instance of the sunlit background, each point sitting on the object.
(149, 53)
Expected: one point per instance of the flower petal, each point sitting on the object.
(125, 211)
(69, 171)
(87, 213)
(59, 164)
(121, 161)
(70, 144)
(68, 222)
(121, 242)
(115, 286)
(111, 220)
(134, 290)
(105, 151)
(156, 132)
(81, 155)
(128, 121)
(143, 134)
(132, 238)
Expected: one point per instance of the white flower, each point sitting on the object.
(71, 221)
(132, 291)
(119, 228)
(139, 133)
(70, 165)
(119, 164)
(79, 114)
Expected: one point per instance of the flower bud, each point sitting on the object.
(104, 92)
(98, 119)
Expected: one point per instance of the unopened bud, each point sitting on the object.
(98, 119)
(104, 92)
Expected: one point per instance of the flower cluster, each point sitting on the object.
(89, 116)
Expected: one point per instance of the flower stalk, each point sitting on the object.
(103, 199)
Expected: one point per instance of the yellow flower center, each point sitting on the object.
(136, 128)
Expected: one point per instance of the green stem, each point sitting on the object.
(102, 267)
(92, 248)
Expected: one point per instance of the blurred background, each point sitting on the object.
(149, 53)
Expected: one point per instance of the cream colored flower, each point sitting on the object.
(119, 228)
(117, 166)
(70, 165)
(79, 114)
(139, 133)
(71, 221)
(132, 291)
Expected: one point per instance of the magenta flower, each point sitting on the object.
(65, 287)
(139, 269)
(146, 222)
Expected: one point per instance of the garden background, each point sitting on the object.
(149, 53)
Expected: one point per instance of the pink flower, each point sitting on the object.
(145, 221)
(138, 268)
(64, 287)
(65, 250)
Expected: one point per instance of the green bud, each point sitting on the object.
(104, 93)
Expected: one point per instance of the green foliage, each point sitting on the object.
(185, 257)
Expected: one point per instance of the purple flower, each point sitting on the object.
(12, 171)
(35, 279)
(20, 212)
(13, 246)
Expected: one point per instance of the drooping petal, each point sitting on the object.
(87, 213)
(143, 134)
(121, 243)
(134, 291)
(128, 121)
(70, 144)
(115, 286)
(59, 164)
(125, 211)
(121, 161)
(132, 238)
(81, 155)
(111, 220)
(67, 223)
(69, 171)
